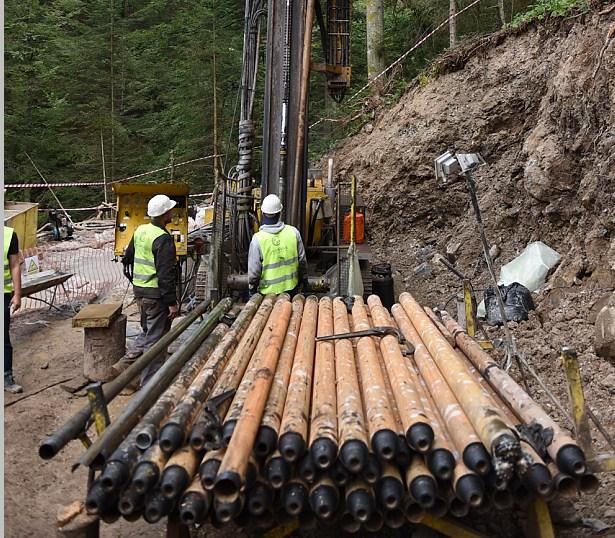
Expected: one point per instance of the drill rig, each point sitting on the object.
(311, 203)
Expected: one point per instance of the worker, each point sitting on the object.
(276, 259)
(12, 303)
(150, 264)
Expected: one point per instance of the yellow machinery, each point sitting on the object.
(23, 218)
(132, 201)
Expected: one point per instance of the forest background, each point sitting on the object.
(127, 85)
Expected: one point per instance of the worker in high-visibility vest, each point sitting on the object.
(12, 302)
(150, 263)
(276, 259)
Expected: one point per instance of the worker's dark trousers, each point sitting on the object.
(8, 348)
(155, 323)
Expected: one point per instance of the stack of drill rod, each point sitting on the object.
(269, 422)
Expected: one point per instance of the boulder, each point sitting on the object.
(605, 331)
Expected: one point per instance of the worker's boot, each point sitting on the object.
(10, 385)
(125, 362)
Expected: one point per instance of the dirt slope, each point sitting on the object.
(531, 105)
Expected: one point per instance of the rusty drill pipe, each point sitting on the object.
(563, 450)
(157, 506)
(174, 396)
(147, 429)
(324, 498)
(421, 484)
(267, 438)
(226, 507)
(533, 471)
(374, 523)
(440, 459)
(389, 488)
(232, 472)
(208, 470)
(195, 503)
(487, 420)
(564, 484)
(352, 432)
(502, 499)
(416, 426)
(245, 386)
(404, 453)
(588, 483)
(394, 518)
(188, 405)
(205, 428)
(179, 471)
(148, 469)
(467, 485)
(120, 465)
(381, 422)
(458, 424)
(72, 428)
(277, 470)
(372, 469)
(436, 321)
(323, 420)
(306, 469)
(131, 502)
(115, 433)
(292, 440)
(259, 498)
(360, 500)
(295, 497)
(349, 524)
(339, 473)
(98, 500)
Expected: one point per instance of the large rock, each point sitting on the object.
(605, 331)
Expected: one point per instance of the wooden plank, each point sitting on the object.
(97, 315)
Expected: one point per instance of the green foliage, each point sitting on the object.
(548, 8)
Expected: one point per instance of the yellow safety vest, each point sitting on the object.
(280, 270)
(8, 279)
(144, 270)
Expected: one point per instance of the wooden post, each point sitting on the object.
(104, 338)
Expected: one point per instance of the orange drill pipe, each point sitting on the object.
(417, 429)
(179, 471)
(267, 438)
(203, 431)
(436, 321)
(381, 423)
(564, 484)
(323, 419)
(232, 473)
(294, 427)
(148, 470)
(245, 386)
(352, 432)
(389, 488)
(208, 470)
(360, 500)
(421, 484)
(467, 485)
(195, 503)
(486, 419)
(440, 459)
(563, 449)
(458, 425)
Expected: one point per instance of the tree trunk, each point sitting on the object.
(501, 11)
(375, 37)
(452, 25)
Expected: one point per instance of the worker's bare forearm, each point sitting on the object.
(15, 266)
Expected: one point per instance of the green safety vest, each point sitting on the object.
(144, 270)
(8, 279)
(280, 271)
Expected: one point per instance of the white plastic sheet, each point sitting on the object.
(529, 269)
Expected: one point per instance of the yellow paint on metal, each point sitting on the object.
(577, 400)
(467, 300)
(604, 463)
(99, 412)
(132, 201)
(282, 531)
(449, 527)
(539, 520)
(485, 344)
(23, 218)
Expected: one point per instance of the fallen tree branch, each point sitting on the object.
(609, 35)
(26, 396)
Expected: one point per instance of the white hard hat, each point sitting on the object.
(271, 205)
(159, 205)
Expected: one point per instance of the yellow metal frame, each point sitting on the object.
(23, 218)
(468, 301)
(132, 201)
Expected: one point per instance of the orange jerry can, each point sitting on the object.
(359, 228)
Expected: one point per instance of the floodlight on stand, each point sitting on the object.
(449, 165)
